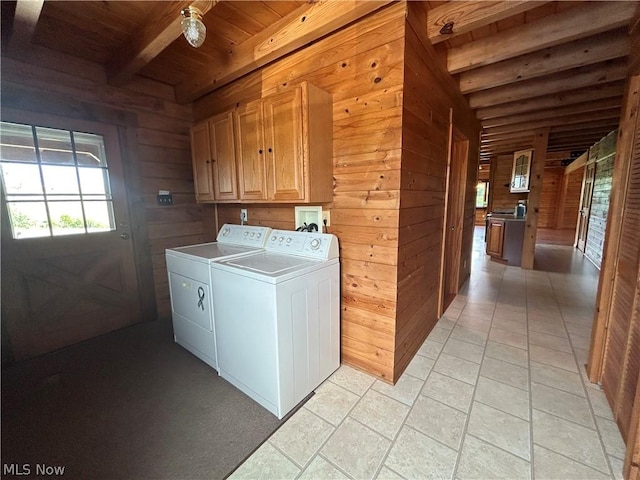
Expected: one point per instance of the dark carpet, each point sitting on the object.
(129, 404)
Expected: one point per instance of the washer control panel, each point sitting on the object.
(307, 244)
(243, 235)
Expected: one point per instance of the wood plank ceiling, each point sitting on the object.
(523, 65)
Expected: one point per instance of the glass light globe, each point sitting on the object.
(194, 31)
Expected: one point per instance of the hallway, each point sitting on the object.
(498, 390)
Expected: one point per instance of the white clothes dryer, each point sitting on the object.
(190, 285)
(278, 318)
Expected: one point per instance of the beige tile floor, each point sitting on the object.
(497, 390)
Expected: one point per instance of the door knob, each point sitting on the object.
(124, 236)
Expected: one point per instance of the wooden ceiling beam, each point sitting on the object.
(612, 113)
(511, 137)
(578, 143)
(462, 17)
(507, 149)
(582, 108)
(611, 123)
(577, 163)
(587, 51)
(303, 26)
(488, 142)
(160, 30)
(571, 79)
(585, 94)
(25, 19)
(594, 131)
(587, 19)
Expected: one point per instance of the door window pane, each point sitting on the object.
(90, 149)
(94, 181)
(60, 180)
(16, 143)
(54, 145)
(98, 215)
(28, 219)
(21, 179)
(66, 218)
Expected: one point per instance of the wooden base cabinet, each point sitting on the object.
(495, 238)
(282, 150)
(504, 240)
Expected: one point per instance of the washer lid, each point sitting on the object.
(212, 251)
(272, 264)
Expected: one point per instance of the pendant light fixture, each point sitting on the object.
(193, 28)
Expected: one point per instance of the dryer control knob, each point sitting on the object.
(246, 233)
(289, 240)
(273, 238)
(226, 231)
(315, 244)
(281, 239)
(252, 234)
(258, 235)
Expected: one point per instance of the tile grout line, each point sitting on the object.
(532, 469)
(404, 421)
(475, 388)
(582, 379)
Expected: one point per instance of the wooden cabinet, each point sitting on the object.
(214, 160)
(201, 157)
(223, 157)
(284, 134)
(495, 238)
(249, 123)
(505, 238)
(282, 150)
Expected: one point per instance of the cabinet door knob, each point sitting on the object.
(270, 150)
(260, 151)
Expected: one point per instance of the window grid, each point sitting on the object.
(50, 198)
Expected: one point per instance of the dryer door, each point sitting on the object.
(190, 299)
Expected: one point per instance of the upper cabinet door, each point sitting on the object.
(201, 162)
(250, 150)
(285, 145)
(521, 171)
(223, 157)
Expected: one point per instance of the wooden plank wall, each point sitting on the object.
(570, 204)
(362, 67)
(603, 153)
(162, 153)
(500, 198)
(425, 143)
(550, 197)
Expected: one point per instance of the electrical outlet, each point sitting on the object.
(243, 215)
(326, 217)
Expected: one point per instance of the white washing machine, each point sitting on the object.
(278, 318)
(190, 285)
